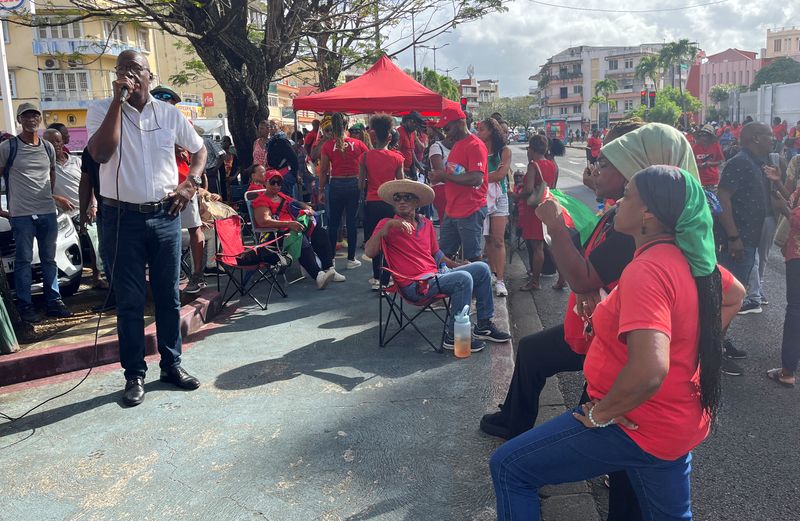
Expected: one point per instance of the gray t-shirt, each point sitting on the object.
(29, 191)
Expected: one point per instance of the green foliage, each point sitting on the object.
(194, 69)
(516, 111)
(667, 109)
(649, 67)
(447, 87)
(606, 87)
(715, 114)
(720, 93)
(681, 99)
(782, 70)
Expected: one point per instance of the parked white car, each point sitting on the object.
(68, 256)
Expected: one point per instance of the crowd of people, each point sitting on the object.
(678, 252)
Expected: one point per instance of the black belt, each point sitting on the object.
(138, 207)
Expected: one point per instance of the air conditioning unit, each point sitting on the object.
(51, 63)
(75, 64)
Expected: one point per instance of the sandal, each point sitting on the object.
(100, 284)
(530, 286)
(777, 376)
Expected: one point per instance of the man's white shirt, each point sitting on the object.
(147, 170)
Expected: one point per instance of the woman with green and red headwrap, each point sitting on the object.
(653, 368)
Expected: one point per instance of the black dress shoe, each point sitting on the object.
(179, 377)
(134, 392)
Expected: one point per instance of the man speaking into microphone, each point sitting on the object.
(133, 137)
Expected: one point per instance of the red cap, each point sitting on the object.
(271, 172)
(450, 113)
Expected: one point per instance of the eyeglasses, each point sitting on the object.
(408, 198)
(276, 182)
(163, 96)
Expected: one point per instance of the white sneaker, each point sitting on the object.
(365, 258)
(353, 264)
(324, 277)
(375, 284)
(500, 289)
(494, 279)
(337, 277)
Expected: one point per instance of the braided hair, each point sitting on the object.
(663, 191)
(339, 125)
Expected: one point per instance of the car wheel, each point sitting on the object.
(69, 289)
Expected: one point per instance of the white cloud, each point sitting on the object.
(511, 46)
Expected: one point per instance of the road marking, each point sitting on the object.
(574, 162)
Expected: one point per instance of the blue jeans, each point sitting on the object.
(344, 195)
(152, 240)
(755, 293)
(563, 450)
(45, 229)
(790, 351)
(740, 267)
(460, 284)
(465, 232)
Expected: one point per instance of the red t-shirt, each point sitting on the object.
(594, 144)
(265, 200)
(344, 162)
(405, 145)
(411, 255)
(463, 201)
(656, 291)
(183, 159)
(381, 167)
(779, 132)
(310, 137)
(736, 131)
(709, 175)
(795, 133)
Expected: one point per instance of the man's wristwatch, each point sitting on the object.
(196, 180)
(733, 238)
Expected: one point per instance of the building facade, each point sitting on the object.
(488, 91)
(783, 42)
(566, 84)
(732, 67)
(469, 90)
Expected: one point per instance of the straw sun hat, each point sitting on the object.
(405, 186)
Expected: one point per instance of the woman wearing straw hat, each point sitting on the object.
(409, 244)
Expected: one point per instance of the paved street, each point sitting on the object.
(300, 417)
(747, 469)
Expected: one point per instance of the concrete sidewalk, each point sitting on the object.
(300, 417)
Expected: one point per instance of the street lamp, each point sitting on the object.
(434, 48)
(448, 71)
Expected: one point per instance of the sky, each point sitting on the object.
(511, 46)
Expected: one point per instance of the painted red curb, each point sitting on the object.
(41, 363)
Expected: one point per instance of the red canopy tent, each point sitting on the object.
(383, 88)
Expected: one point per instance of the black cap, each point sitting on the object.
(415, 116)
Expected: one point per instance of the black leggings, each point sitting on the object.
(540, 356)
(374, 211)
(318, 245)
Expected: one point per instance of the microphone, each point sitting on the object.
(123, 94)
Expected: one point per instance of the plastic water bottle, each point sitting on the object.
(462, 334)
(443, 268)
(454, 168)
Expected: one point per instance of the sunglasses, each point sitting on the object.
(163, 96)
(276, 182)
(408, 198)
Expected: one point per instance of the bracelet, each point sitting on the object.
(598, 425)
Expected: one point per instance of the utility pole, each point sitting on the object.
(414, 45)
(434, 48)
(448, 71)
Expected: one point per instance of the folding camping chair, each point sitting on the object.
(403, 315)
(230, 245)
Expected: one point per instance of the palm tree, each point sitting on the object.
(603, 89)
(648, 67)
(667, 58)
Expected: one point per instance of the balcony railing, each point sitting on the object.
(89, 47)
(61, 100)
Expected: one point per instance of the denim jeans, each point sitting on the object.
(460, 284)
(45, 229)
(741, 266)
(790, 351)
(563, 450)
(754, 290)
(465, 232)
(344, 195)
(137, 240)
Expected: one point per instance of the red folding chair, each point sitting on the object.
(244, 278)
(402, 315)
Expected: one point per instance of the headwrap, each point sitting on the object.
(651, 144)
(694, 226)
(327, 121)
